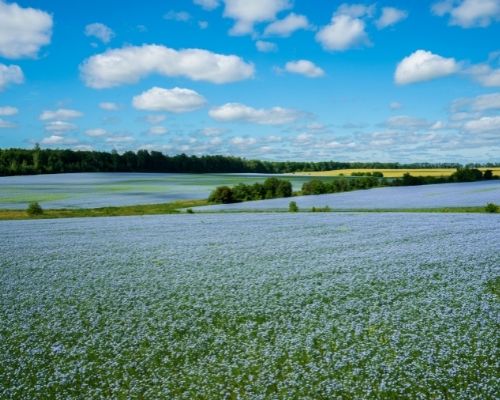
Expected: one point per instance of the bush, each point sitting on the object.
(222, 194)
(34, 209)
(190, 211)
(492, 208)
(293, 207)
(321, 209)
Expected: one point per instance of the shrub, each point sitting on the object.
(293, 207)
(190, 211)
(222, 194)
(321, 209)
(492, 208)
(34, 209)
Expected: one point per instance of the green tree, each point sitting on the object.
(293, 207)
(34, 209)
(222, 194)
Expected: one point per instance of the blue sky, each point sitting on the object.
(270, 79)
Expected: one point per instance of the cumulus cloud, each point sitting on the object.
(157, 130)
(485, 102)
(99, 31)
(176, 100)
(485, 75)
(60, 126)
(58, 139)
(468, 13)
(243, 142)
(265, 47)
(346, 29)
(423, 66)
(23, 31)
(483, 124)
(286, 26)
(390, 16)
(62, 114)
(208, 4)
(180, 16)
(8, 111)
(6, 124)
(248, 13)
(406, 122)
(130, 64)
(395, 105)
(108, 106)
(239, 112)
(155, 119)
(97, 132)
(304, 67)
(119, 139)
(10, 74)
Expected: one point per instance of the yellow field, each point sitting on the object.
(392, 173)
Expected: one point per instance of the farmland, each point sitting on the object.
(391, 173)
(405, 197)
(89, 190)
(274, 306)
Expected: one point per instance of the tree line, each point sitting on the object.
(274, 187)
(47, 161)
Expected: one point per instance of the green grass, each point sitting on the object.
(144, 209)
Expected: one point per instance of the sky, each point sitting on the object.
(405, 81)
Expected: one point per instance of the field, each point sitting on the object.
(471, 194)
(89, 190)
(281, 306)
(390, 173)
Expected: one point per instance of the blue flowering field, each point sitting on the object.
(261, 306)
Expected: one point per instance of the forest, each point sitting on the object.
(17, 161)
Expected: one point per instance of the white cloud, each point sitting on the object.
(304, 67)
(248, 13)
(483, 124)
(265, 47)
(286, 26)
(176, 100)
(395, 105)
(210, 132)
(180, 16)
(390, 16)
(10, 74)
(469, 13)
(99, 31)
(23, 31)
(155, 119)
(120, 139)
(62, 114)
(130, 64)
(6, 124)
(356, 10)
(243, 142)
(485, 75)
(207, 4)
(157, 130)
(98, 132)
(203, 24)
(240, 112)
(58, 139)
(423, 66)
(406, 122)
(108, 106)
(7, 111)
(485, 102)
(346, 28)
(60, 126)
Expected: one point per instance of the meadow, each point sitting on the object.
(90, 190)
(277, 306)
(391, 173)
(470, 194)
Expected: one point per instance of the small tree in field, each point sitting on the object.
(293, 207)
(34, 209)
(492, 208)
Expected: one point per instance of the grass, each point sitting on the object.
(392, 173)
(144, 209)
